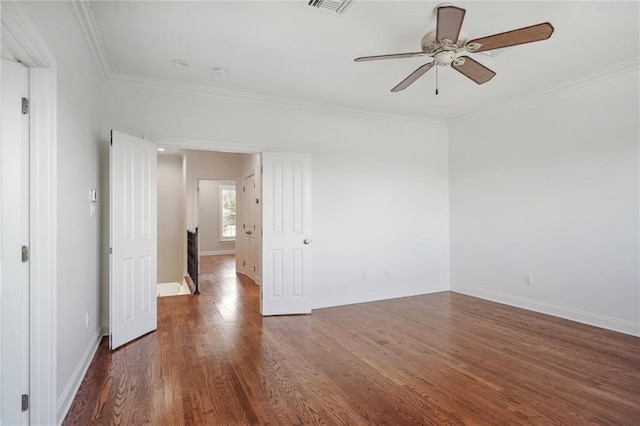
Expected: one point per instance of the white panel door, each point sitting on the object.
(14, 278)
(249, 196)
(286, 250)
(133, 277)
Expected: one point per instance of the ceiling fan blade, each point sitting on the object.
(392, 56)
(413, 77)
(474, 70)
(512, 38)
(449, 23)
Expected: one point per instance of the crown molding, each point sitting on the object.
(237, 96)
(83, 14)
(586, 80)
(22, 39)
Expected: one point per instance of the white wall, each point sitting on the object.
(550, 188)
(171, 234)
(209, 218)
(79, 101)
(206, 165)
(380, 188)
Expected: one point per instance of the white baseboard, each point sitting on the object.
(597, 320)
(216, 252)
(71, 389)
(389, 293)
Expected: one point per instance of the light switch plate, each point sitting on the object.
(94, 195)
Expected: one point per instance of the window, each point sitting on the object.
(227, 213)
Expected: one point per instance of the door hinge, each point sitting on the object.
(25, 254)
(25, 402)
(110, 250)
(25, 106)
(243, 189)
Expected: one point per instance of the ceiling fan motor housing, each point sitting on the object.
(431, 46)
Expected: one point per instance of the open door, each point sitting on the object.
(286, 195)
(133, 260)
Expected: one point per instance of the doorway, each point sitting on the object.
(201, 192)
(286, 212)
(21, 43)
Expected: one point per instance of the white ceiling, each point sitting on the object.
(289, 50)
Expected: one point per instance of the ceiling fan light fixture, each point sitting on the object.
(472, 47)
(444, 58)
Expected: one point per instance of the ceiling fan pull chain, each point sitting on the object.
(436, 79)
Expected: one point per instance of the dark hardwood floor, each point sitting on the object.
(438, 359)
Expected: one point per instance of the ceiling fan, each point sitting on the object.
(447, 40)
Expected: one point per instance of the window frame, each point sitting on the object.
(222, 188)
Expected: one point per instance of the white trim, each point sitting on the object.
(584, 317)
(217, 252)
(71, 389)
(83, 13)
(602, 74)
(203, 144)
(43, 219)
(390, 292)
(238, 96)
(27, 46)
(23, 40)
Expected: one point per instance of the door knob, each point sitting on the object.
(307, 241)
(248, 232)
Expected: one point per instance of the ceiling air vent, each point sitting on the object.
(336, 6)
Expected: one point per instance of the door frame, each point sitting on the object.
(26, 45)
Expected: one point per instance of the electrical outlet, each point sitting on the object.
(86, 319)
(528, 280)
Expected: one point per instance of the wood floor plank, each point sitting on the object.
(439, 359)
